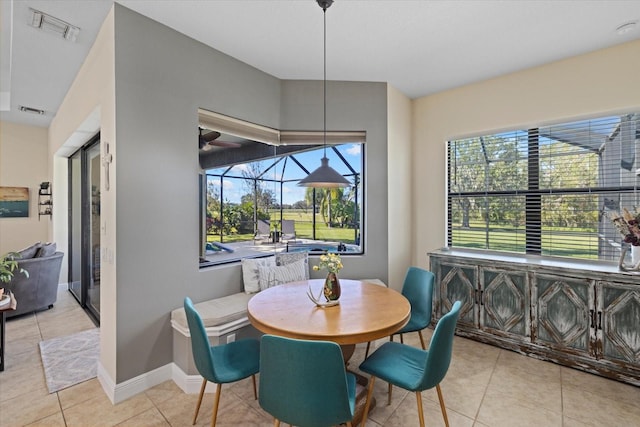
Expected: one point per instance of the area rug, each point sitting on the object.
(71, 359)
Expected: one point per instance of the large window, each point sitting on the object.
(548, 190)
(251, 204)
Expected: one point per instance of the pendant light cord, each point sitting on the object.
(324, 10)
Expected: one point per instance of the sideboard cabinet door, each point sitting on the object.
(563, 308)
(618, 323)
(504, 302)
(457, 282)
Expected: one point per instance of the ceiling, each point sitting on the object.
(419, 47)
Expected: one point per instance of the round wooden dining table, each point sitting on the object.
(366, 312)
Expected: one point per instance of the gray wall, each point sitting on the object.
(161, 79)
(351, 106)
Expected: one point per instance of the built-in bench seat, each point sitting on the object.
(225, 320)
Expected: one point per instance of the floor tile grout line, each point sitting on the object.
(561, 396)
(495, 365)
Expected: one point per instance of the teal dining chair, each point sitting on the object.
(304, 383)
(418, 289)
(414, 369)
(220, 364)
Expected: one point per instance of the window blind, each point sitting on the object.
(547, 190)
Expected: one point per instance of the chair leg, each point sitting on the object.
(204, 385)
(276, 422)
(442, 408)
(366, 353)
(215, 405)
(255, 390)
(350, 425)
(420, 413)
(422, 340)
(389, 394)
(401, 339)
(368, 403)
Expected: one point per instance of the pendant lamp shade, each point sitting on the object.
(325, 176)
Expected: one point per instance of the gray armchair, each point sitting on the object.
(38, 291)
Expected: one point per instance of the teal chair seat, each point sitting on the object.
(220, 364)
(304, 383)
(407, 369)
(414, 369)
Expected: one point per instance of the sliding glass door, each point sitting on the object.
(84, 226)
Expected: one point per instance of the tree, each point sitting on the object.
(258, 196)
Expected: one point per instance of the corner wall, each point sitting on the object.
(87, 108)
(594, 84)
(399, 187)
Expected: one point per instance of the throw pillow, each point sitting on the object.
(284, 258)
(273, 276)
(30, 251)
(47, 249)
(250, 272)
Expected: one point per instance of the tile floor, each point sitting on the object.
(485, 386)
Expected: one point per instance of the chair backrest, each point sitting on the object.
(303, 382)
(440, 348)
(200, 346)
(288, 226)
(418, 289)
(264, 226)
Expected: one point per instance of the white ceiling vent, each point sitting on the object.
(53, 25)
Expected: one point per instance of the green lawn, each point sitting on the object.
(303, 227)
(582, 245)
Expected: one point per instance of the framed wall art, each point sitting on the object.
(14, 202)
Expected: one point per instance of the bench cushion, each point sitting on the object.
(216, 311)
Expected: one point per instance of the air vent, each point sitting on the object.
(31, 110)
(53, 25)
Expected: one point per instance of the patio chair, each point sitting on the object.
(288, 230)
(263, 231)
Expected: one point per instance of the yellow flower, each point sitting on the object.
(331, 262)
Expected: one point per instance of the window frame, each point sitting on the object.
(285, 144)
(609, 243)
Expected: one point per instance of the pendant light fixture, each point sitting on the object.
(325, 176)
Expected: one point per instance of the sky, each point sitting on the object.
(235, 188)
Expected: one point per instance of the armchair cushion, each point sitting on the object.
(47, 249)
(30, 252)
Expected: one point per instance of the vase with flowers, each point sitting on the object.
(333, 264)
(628, 224)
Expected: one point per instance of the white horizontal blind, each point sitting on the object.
(544, 190)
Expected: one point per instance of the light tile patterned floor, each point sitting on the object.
(485, 386)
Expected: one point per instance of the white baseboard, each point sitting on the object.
(122, 391)
(117, 393)
(108, 385)
(190, 384)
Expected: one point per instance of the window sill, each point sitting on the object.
(536, 261)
